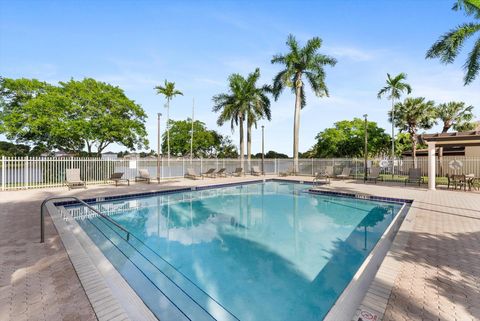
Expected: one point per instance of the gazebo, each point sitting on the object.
(469, 139)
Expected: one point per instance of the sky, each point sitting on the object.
(197, 44)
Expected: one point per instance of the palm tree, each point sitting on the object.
(411, 115)
(169, 91)
(258, 107)
(395, 87)
(455, 115)
(298, 63)
(244, 101)
(448, 46)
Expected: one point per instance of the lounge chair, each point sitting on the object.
(345, 173)
(143, 176)
(72, 178)
(238, 172)
(222, 172)
(321, 177)
(209, 173)
(288, 172)
(375, 174)
(192, 174)
(256, 171)
(117, 178)
(414, 176)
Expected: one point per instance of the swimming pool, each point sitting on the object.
(262, 251)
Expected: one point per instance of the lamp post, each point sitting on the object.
(366, 149)
(263, 150)
(159, 146)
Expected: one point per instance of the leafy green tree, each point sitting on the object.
(169, 91)
(13, 150)
(449, 45)
(299, 63)
(456, 115)
(394, 88)
(411, 115)
(271, 154)
(71, 116)
(347, 139)
(206, 143)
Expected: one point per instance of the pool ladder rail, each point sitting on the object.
(42, 215)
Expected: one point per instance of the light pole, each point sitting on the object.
(366, 149)
(263, 150)
(159, 146)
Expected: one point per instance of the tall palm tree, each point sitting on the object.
(395, 87)
(244, 101)
(258, 107)
(411, 115)
(456, 115)
(169, 91)
(448, 46)
(299, 63)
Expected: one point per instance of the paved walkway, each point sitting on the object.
(438, 267)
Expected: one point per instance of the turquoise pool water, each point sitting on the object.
(263, 251)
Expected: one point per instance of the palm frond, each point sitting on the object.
(472, 65)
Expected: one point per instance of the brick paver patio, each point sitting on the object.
(438, 268)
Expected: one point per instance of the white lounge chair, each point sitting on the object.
(72, 178)
(256, 171)
(345, 173)
(190, 173)
(143, 176)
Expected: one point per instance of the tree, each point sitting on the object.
(258, 106)
(448, 46)
(71, 116)
(169, 91)
(393, 90)
(412, 115)
(346, 139)
(299, 63)
(271, 154)
(13, 150)
(244, 101)
(455, 115)
(206, 143)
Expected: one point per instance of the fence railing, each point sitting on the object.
(39, 172)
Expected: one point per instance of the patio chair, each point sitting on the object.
(288, 172)
(375, 174)
(72, 178)
(209, 173)
(256, 171)
(414, 176)
(190, 173)
(118, 178)
(321, 178)
(143, 176)
(238, 172)
(345, 173)
(222, 172)
(459, 180)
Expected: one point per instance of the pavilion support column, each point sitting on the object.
(431, 165)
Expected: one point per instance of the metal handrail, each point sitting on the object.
(42, 215)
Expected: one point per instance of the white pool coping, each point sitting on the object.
(112, 298)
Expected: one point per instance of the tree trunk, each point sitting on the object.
(168, 131)
(445, 129)
(413, 137)
(392, 156)
(296, 124)
(242, 151)
(249, 143)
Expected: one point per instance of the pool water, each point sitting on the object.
(263, 251)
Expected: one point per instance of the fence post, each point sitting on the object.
(25, 173)
(183, 166)
(4, 163)
(201, 164)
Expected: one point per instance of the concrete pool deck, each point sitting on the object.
(432, 271)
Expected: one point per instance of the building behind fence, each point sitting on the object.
(40, 172)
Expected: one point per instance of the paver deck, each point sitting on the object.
(433, 275)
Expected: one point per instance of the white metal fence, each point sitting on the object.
(28, 172)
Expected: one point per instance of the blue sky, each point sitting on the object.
(197, 44)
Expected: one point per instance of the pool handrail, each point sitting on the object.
(42, 215)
